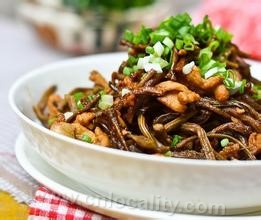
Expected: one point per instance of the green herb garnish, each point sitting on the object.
(128, 36)
(127, 71)
(224, 142)
(86, 138)
(257, 92)
(242, 86)
(102, 92)
(77, 97)
(143, 36)
(176, 139)
(51, 121)
(168, 154)
(79, 105)
(106, 101)
(179, 44)
(132, 60)
(90, 97)
(179, 32)
(150, 50)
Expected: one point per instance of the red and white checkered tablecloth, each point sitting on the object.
(48, 205)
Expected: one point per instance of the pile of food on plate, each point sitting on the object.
(185, 91)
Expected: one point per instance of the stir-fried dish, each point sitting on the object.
(185, 91)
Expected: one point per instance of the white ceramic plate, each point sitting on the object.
(73, 191)
(215, 186)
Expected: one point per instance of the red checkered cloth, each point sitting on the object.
(48, 205)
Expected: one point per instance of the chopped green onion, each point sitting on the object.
(205, 56)
(239, 86)
(181, 20)
(143, 61)
(223, 35)
(168, 42)
(224, 142)
(132, 60)
(105, 102)
(125, 91)
(90, 97)
(179, 32)
(127, 71)
(67, 115)
(149, 50)
(128, 36)
(135, 68)
(86, 138)
(213, 45)
(159, 35)
(143, 36)
(211, 72)
(188, 67)
(189, 39)
(232, 84)
(242, 87)
(184, 30)
(51, 121)
(208, 66)
(168, 154)
(166, 51)
(102, 92)
(204, 31)
(257, 92)
(176, 139)
(153, 66)
(78, 96)
(189, 46)
(179, 44)
(222, 69)
(163, 63)
(141, 55)
(79, 105)
(229, 83)
(159, 49)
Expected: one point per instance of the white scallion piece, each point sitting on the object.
(153, 66)
(67, 115)
(125, 91)
(168, 42)
(236, 88)
(143, 61)
(188, 67)
(222, 69)
(159, 49)
(209, 65)
(105, 102)
(163, 63)
(211, 72)
(224, 142)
